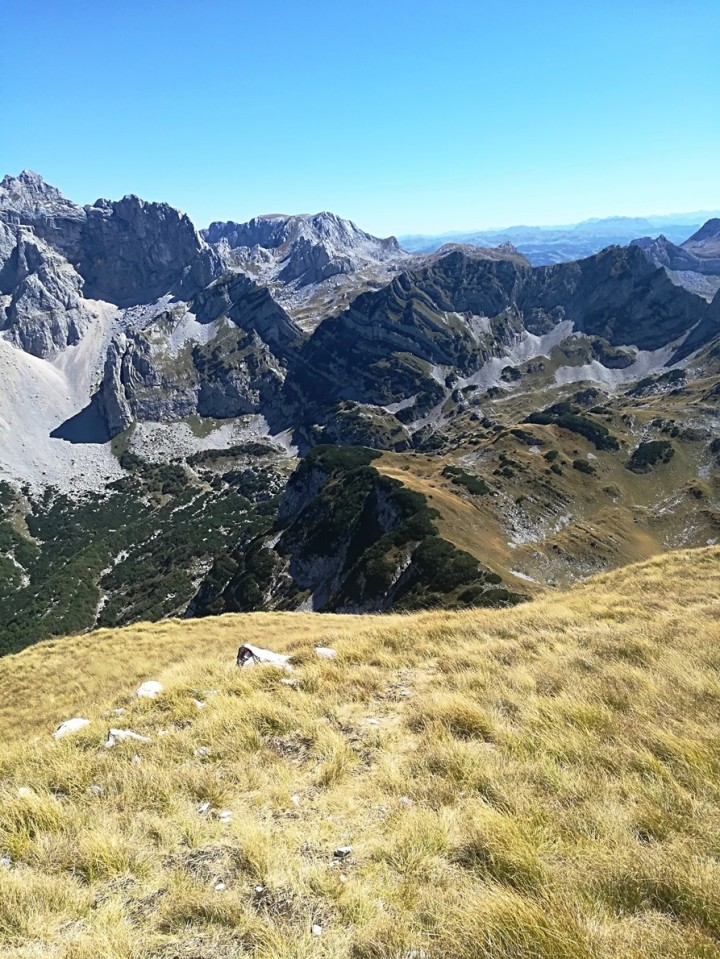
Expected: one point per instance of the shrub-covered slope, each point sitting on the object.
(349, 539)
(541, 781)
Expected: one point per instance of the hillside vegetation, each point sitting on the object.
(541, 781)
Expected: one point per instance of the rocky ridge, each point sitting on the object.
(207, 324)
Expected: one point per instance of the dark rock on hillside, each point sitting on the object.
(382, 350)
(251, 308)
(134, 252)
(138, 385)
(662, 252)
(618, 295)
(704, 333)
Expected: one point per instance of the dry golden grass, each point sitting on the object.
(539, 782)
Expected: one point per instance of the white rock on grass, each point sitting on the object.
(342, 852)
(325, 652)
(70, 726)
(254, 655)
(116, 736)
(149, 689)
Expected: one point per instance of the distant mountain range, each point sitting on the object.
(181, 411)
(558, 244)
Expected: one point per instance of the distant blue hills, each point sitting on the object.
(558, 244)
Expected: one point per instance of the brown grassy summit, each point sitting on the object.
(537, 782)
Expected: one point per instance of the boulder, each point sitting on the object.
(116, 736)
(70, 726)
(253, 655)
(149, 689)
(325, 652)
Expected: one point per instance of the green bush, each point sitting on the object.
(473, 484)
(648, 455)
(563, 416)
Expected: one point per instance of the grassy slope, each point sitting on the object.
(541, 782)
(572, 525)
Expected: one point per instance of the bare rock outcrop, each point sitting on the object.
(302, 249)
(45, 310)
(127, 252)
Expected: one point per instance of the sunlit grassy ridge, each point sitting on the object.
(537, 782)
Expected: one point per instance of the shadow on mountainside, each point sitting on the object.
(87, 426)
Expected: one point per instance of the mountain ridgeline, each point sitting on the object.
(291, 413)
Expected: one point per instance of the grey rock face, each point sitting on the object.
(617, 294)
(705, 243)
(45, 312)
(138, 385)
(301, 249)
(127, 252)
(239, 369)
(251, 308)
(134, 252)
(29, 201)
(114, 403)
(662, 252)
(247, 388)
(312, 263)
(28, 195)
(8, 258)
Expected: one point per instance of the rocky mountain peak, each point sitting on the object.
(275, 230)
(134, 251)
(127, 251)
(30, 194)
(706, 242)
(44, 312)
(303, 249)
(692, 265)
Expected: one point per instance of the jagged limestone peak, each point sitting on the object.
(29, 194)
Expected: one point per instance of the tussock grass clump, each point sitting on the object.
(536, 782)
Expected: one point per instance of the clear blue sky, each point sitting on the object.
(405, 115)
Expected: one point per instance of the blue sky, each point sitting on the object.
(404, 116)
